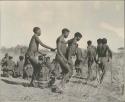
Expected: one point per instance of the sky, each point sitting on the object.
(94, 19)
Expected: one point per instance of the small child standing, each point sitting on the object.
(20, 65)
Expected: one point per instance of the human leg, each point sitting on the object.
(36, 69)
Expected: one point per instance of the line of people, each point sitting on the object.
(97, 59)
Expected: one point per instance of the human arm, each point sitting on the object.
(109, 53)
(97, 55)
(42, 44)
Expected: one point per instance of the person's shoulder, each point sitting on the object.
(59, 39)
(35, 36)
(105, 45)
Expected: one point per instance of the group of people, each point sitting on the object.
(10, 68)
(15, 69)
(65, 50)
(8, 65)
(97, 59)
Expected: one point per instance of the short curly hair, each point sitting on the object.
(89, 42)
(77, 34)
(104, 40)
(35, 29)
(99, 40)
(21, 57)
(65, 30)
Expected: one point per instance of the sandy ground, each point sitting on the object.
(13, 90)
(75, 91)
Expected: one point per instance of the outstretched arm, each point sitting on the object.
(110, 52)
(42, 44)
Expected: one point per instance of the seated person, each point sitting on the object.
(28, 71)
(10, 66)
(3, 64)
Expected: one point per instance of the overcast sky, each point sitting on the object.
(94, 19)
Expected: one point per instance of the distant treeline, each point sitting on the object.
(19, 49)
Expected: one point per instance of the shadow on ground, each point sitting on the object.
(14, 82)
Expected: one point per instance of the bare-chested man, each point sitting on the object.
(91, 56)
(80, 58)
(102, 51)
(98, 55)
(71, 49)
(62, 60)
(32, 51)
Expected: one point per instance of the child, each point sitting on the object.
(91, 56)
(20, 65)
(27, 71)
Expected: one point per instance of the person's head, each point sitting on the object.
(65, 32)
(6, 54)
(99, 41)
(10, 57)
(37, 31)
(40, 58)
(104, 41)
(78, 36)
(21, 58)
(89, 42)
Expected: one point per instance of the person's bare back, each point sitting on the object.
(33, 46)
